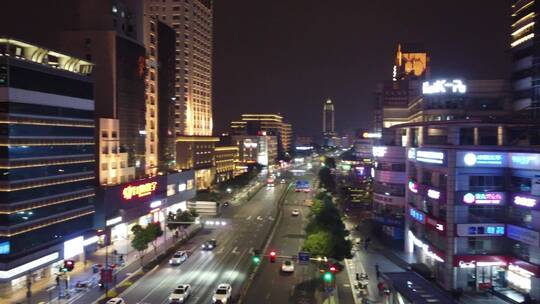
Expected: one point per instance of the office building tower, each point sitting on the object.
(525, 48)
(48, 164)
(272, 124)
(411, 66)
(328, 119)
(108, 33)
(192, 22)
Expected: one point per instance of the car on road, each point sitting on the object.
(116, 301)
(287, 266)
(180, 294)
(226, 204)
(209, 244)
(295, 212)
(178, 258)
(283, 181)
(223, 294)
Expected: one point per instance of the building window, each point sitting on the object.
(104, 134)
(104, 166)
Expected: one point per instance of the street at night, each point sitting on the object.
(269, 152)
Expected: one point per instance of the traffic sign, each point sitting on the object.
(303, 257)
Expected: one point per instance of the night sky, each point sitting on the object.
(289, 56)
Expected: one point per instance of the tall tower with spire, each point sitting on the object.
(328, 122)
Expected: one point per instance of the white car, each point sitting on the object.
(178, 258)
(223, 293)
(295, 212)
(116, 301)
(180, 294)
(287, 266)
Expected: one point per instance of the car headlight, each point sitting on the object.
(170, 298)
(210, 246)
(214, 299)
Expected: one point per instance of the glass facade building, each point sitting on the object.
(46, 157)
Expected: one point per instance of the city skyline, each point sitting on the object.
(250, 70)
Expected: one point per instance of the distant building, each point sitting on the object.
(262, 149)
(272, 124)
(48, 161)
(329, 131)
(226, 160)
(393, 96)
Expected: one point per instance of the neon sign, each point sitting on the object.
(471, 159)
(434, 194)
(441, 86)
(417, 215)
(141, 190)
(524, 201)
(413, 186)
(481, 229)
(425, 247)
(483, 198)
(431, 157)
(379, 151)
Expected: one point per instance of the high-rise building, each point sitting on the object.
(328, 119)
(525, 53)
(411, 66)
(272, 124)
(108, 33)
(48, 164)
(192, 22)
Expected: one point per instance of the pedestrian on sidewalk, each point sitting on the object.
(380, 287)
(377, 272)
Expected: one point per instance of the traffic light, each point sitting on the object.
(68, 265)
(272, 256)
(256, 258)
(328, 276)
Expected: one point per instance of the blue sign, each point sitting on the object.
(4, 248)
(486, 230)
(303, 257)
(417, 215)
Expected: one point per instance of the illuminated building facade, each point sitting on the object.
(113, 168)
(470, 211)
(141, 202)
(48, 161)
(197, 153)
(226, 159)
(525, 52)
(272, 124)
(329, 131)
(411, 66)
(192, 22)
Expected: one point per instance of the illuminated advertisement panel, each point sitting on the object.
(484, 198)
(525, 201)
(139, 190)
(417, 215)
(481, 229)
(524, 235)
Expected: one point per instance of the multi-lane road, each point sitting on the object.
(270, 285)
(229, 262)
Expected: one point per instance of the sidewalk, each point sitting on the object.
(47, 291)
(399, 260)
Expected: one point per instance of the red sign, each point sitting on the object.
(435, 224)
(141, 190)
(471, 261)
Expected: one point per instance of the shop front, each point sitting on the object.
(508, 276)
(136, 203)
(480, 272)
(141, 202)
